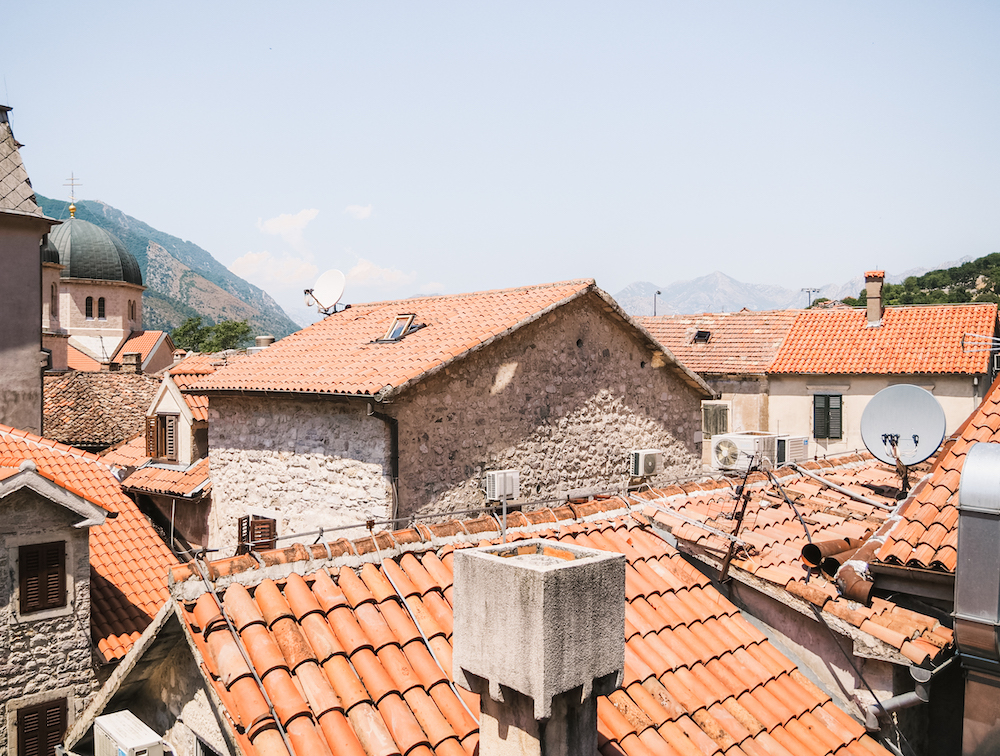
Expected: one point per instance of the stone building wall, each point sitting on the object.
(306, 463)
(562, 400)
(46, 656)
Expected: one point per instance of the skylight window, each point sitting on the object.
(702, 337)
(399, 328)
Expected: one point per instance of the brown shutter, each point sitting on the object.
(41, 728)
(151, 436)
(42, 576)
(264, 532)
(170, 438)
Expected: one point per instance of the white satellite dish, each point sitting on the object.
(326, 292)
(903, 423)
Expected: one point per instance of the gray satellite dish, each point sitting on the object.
(327, 291)
(906, 416)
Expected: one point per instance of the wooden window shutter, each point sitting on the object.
(264, 533)
(244, 536)
(820, 415)
(170, 437)
(41, 728)
(151, 427)
(834, 416)
(42, 576)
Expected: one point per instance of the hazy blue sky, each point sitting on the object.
(445, 147)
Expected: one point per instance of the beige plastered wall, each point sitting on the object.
(115, 326)
(747, 400)
(791, 403)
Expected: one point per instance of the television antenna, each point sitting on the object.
(326, 292)
(902, 426)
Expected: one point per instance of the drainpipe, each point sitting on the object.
(879, 711)
(393, 425)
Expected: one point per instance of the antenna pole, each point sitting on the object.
(743, 492)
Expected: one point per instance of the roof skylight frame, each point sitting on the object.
(400, 326)
(701, 337)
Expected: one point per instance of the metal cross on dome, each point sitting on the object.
(73, 183)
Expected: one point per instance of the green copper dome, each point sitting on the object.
(88, 251)
(49, 252)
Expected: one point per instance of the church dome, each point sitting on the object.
(89, 251)
(49, 252)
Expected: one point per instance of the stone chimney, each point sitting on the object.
(132, 362)
(873, 290)
(539, 634)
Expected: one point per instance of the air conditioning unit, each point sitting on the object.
(503, 484)
(644, 462)
(124, 734)
(734, 451)
(792, 449)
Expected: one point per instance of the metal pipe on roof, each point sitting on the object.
(841, 489)
(834, 562)
(813, 554)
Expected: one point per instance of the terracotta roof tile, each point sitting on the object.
(165, 479)
(95, 410)
(926, 534)
(128, 560)
(142, 342)
(699, 679)
(775, 537)
(344, 354)
(77, 360)
(912, 339)
(740, 343)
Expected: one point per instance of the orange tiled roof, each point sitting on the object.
(77, 360)
(775, 537)
(194, 368)
(142, 342)
(128, 560)
(337, 645)
(912, 339)
(926, 535)
(96, 409)
(131, 453)
(741, 343)
(341, 354)
(164, 480)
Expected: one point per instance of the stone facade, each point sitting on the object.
(100, 336)
(47, 655)
(305, 463)
(562, 399)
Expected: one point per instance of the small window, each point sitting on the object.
(161, 437)
(827, 416)
(714, 418)
(398, 329)
(257, 534)
(42, 576)
(702, 337)
(90, 308)
(101, 315)
(54, 304)
(41, 728)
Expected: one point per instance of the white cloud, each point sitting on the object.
(359, 212)
(367, 273)
(268, 271)
(288, 227)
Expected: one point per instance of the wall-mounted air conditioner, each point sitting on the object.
(124, 734)
(734, 451)
(503, 484)
(644, 462)
(792, 449)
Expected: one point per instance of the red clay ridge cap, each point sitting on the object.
(187, 583)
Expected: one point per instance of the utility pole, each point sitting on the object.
(810, 292)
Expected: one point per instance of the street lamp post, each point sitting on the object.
(810, 292)
(654, 302)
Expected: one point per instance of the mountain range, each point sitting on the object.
(182, 279)
(718, 292)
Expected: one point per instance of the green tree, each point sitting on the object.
(229, 334)
(189, 335)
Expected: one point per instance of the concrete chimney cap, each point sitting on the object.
(539, 617)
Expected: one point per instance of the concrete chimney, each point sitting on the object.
(261, 343)
(539, 634)
(132, 362)
(873, 290)
(179, 354)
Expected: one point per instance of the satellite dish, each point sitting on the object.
(326, 292)
(906, 417)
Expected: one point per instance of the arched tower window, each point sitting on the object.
(54, 304)
(90, 308)
(100, 309)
